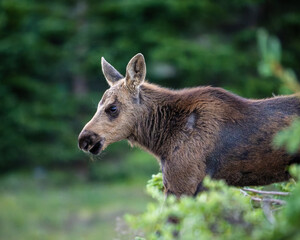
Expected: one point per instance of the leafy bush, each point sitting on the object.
(221, 212)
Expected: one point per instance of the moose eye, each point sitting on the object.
(113, 108)
(112, 111)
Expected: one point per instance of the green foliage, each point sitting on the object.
(221, 212)
(289, 138)
(270, 51)
(37, 110)
(288, 220)
(216, 214)
(270, 64)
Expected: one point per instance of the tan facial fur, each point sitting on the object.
(113, 127)
(117, 111)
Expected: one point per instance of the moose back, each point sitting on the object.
(193, 132)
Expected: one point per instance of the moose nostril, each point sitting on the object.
(82, 143)
(86, 139)
(85, 145)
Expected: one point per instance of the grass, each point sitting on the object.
(39, 208)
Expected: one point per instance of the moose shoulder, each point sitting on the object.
(193, 132)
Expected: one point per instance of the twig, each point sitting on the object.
(270, 200)
(244, 193)
(266, 192)
(277, 209)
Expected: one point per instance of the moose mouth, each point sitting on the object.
(96, 149)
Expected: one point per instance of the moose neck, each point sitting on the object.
(154, 130)
(167, 115)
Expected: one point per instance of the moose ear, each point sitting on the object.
(135, 72)
(110, 73)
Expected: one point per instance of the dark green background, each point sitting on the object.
(51, 78)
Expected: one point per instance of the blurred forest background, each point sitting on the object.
(51, 82)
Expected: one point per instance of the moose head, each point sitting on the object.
(119, 108)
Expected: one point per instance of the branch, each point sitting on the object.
(269, 200)
(266, 192)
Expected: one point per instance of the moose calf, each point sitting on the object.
(193, 132)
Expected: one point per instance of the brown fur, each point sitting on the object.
(194, 132)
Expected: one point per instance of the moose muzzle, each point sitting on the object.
(90, 141)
